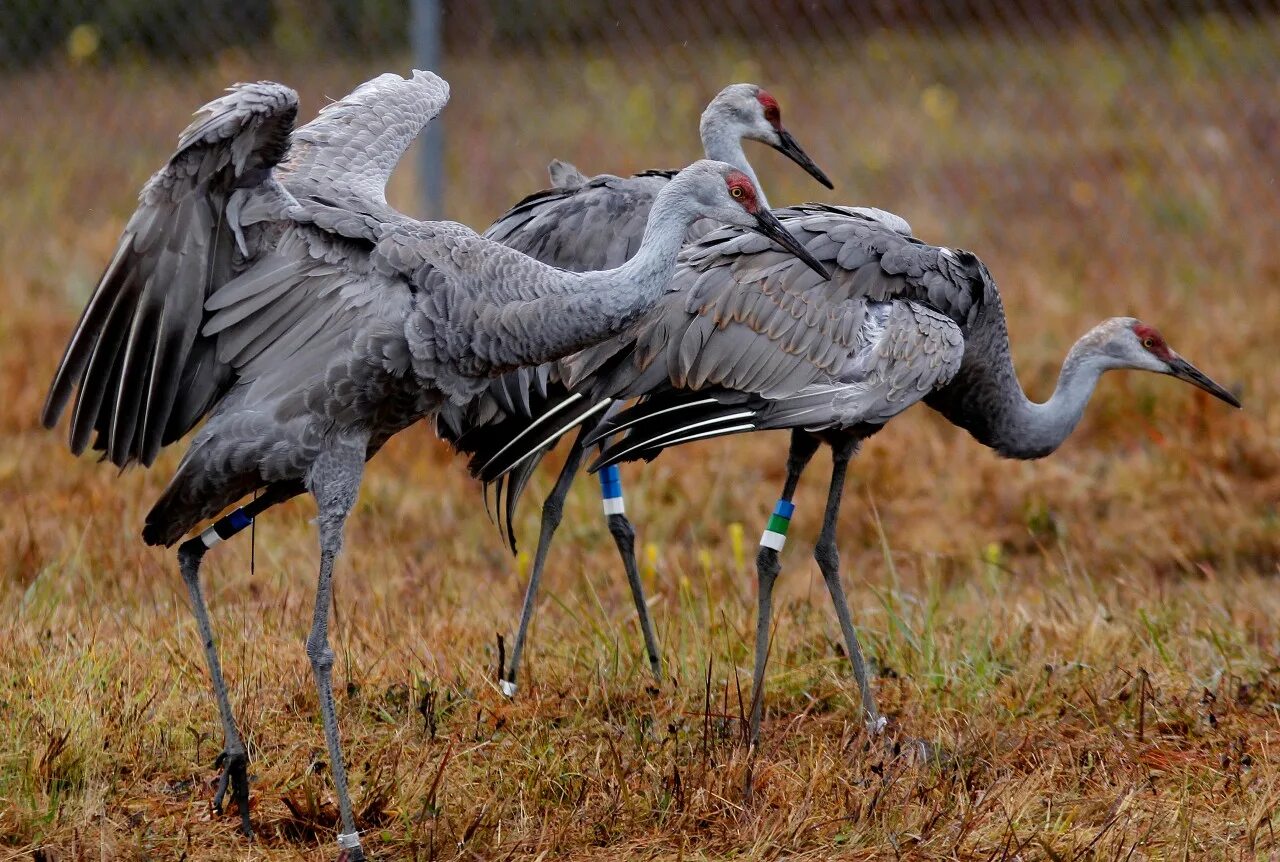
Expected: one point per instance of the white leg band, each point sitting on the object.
(775, 541)
(615, 506)
(349, 840)
(210, 537)
(507, 687)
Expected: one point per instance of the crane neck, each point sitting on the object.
(650, 269)
(987, 400)
(558, 312)
(723, 143)
(1033, 430)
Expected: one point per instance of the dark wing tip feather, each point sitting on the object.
(516, 482)
(673, 418)
(131, 352)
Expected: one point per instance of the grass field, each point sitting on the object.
(1088, 643)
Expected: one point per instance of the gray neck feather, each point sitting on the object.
(722, 142)
(986, 399)
(579, 309)
(1034, 430)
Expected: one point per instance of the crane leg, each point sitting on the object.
(552, 512)
(234, 760)
(334, 481)
(624, 537)
(828, 557)
(803, 446)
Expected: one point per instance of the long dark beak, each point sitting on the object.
(767, 224)
(1184, 370)
(789, 148)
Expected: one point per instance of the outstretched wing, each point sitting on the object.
(232, 270)
(321, 314)
(348, 152)
(143, 371)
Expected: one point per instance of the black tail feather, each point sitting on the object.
(671, 418)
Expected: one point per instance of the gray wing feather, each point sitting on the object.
(565, 175)
(137, 340)
(593, 226)
(223, 275)
(743, 315)
(348, 152)
(904, 351)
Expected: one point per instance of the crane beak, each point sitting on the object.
(768, 225)
(788, 147)
(1184, 370)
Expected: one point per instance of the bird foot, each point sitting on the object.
(916, 751)
(507, 687)
(235, 771)
(895, 744)
(912, 750)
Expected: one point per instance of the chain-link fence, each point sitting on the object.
(989, 118)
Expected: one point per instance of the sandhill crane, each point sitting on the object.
(309, 321)
(586, 223)
(743, 340)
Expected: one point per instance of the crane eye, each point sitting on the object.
(1148, 343)
(736, 191)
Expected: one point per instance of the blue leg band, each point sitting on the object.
(611, 490)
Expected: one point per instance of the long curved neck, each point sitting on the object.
(651, 267)
(986, 399)
(724, 144)
(574, 310)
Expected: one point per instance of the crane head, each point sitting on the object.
(742, 192)
(750, 112)
(1134, 344)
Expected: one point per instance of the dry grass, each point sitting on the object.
(1088, 643)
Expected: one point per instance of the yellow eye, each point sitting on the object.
(1148, 343)
(736, 191)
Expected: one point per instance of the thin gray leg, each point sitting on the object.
(234, 758)
(767, 567)
(334, 481)
(552, 512)
(828, 557)
(624, 537)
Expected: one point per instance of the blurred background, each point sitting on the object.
(1102, 156)
(1130, 121)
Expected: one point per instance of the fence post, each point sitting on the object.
(425, 39)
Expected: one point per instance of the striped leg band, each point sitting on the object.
(611, 490)
(225, 528)
(775, 532)
(348, 840)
